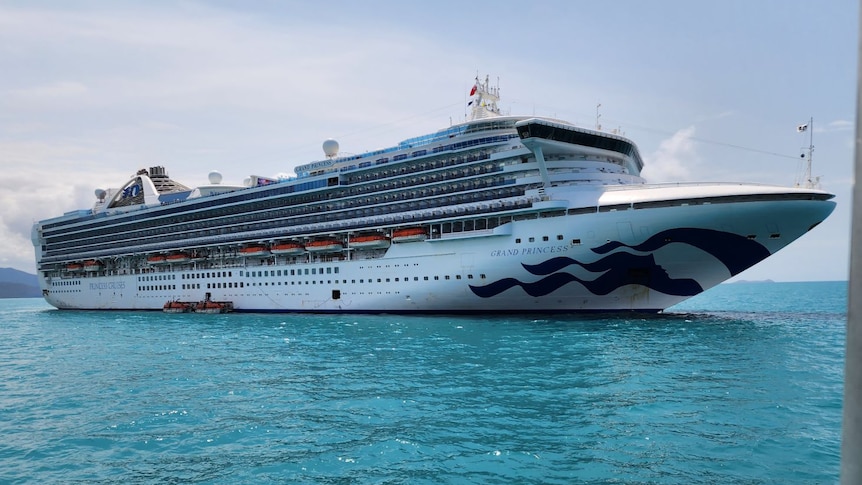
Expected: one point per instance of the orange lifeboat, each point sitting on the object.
(369, 241)
(324, 246)
(288, 248)
(156, 259)
(178, 258)
(74, 267)
(92, 265)
(254, 251)
(409, 234)
(209, 306)
(177, 307)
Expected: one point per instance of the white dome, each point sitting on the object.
(330, 147)
(100, 194)
(215, 177)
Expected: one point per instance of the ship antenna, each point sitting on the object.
(598, 115)
(483, 99)
(810, 181)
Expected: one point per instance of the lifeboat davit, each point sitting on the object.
(369, 241)
(288, 248)
(324, 246)
(409, 234)
(253, 251)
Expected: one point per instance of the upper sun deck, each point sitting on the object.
(453, 137)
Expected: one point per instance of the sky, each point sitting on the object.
(92, 91)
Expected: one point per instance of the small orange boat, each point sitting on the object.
(409, 234)
(288, 248)
(178, 258)
(369, 241)
(177, 306)
(156, 259)
(255, 250)
(209, 306)
(324, 246)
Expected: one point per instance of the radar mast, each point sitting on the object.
(483, 100)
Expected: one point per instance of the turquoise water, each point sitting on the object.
(740, 385)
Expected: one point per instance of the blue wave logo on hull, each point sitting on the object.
(623, 268)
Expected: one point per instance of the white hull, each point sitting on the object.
(634, 260)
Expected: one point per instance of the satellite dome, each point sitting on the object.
(100, 194)
(330, 148)
(215, 177)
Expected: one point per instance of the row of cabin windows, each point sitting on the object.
(304, 206)
(108, 237)
(66, 283)
(239, 230)
(292, 272)
(545, 238)
(241, 284)
(326, 213)
(281, 189)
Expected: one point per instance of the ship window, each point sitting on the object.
(436, 278)
(532, 239)
(425, 278)
(576, 242)
(559, 237)
(544, 238)
(457, 277)
(447, 277)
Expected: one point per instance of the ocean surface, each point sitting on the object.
(742, 384)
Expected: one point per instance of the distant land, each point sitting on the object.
(18, 284)
(754, 281)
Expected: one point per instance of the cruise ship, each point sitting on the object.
(499, 213)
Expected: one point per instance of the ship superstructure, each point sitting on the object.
(496, 214)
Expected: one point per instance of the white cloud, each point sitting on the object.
(840, 125)
(675, 159)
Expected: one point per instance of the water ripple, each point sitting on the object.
(709, 393)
